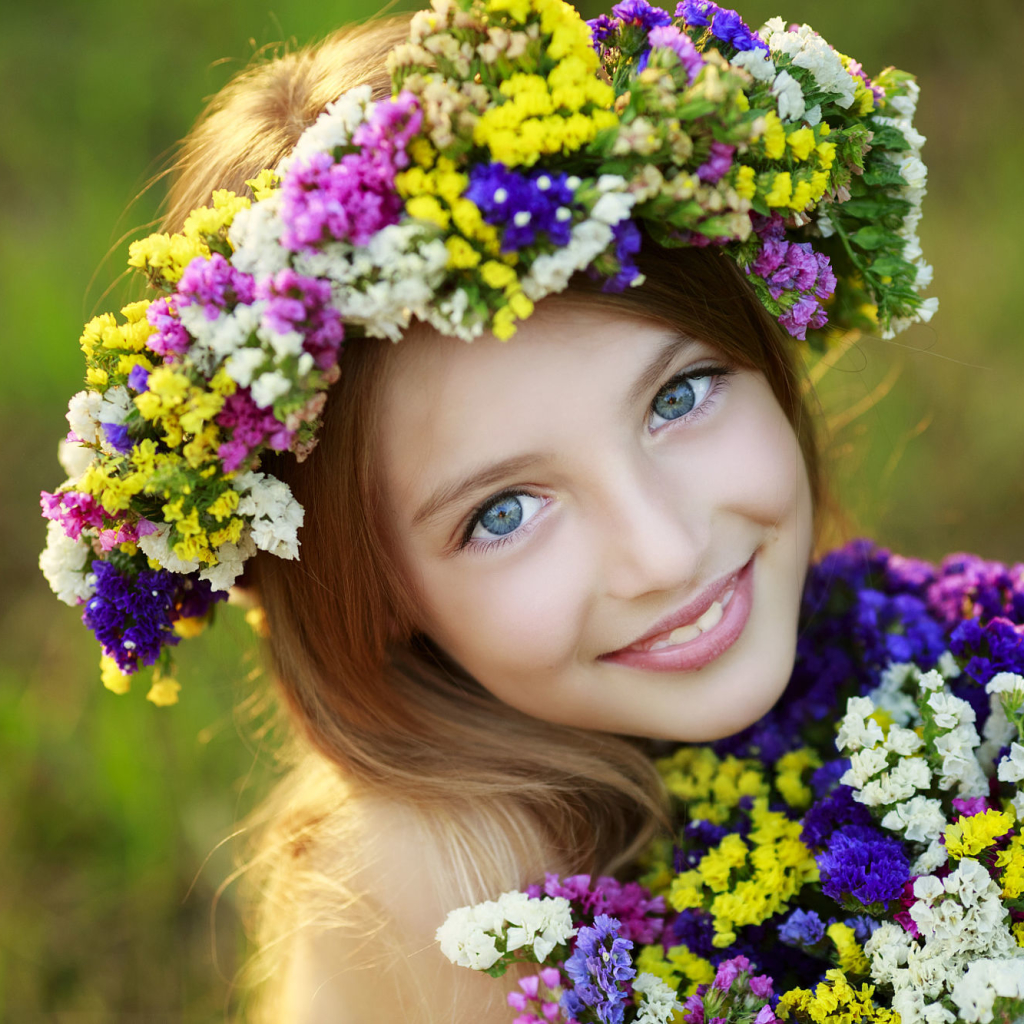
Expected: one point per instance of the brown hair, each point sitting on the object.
(377, 703)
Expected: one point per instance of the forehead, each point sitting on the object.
(448, 404)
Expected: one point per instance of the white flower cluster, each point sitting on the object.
(333, 128)
(891, 772)
(469, 936)
(659, 1002)
(915, 173)
(62, 562)
(808, 50)
(961, 921)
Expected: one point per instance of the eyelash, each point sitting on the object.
(718, 375)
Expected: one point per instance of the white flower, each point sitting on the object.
(62, 562)
(255, 234)
(950, 711)
(274, 514)
(948, 666)
(74, 458)
(269, 386)
(857, 729)
(1004, 682)
(863, 765)
(230, 562)
(931, 681)
(156, 546)
(786, 89)
(659, 1001)
(933, 857)
(1011, 768)
(465, 942)
(984, 980)
(550, 272)
(333, 128)
(903, 741)
(757, 63)
(83, 416)
(890, 696)
(920, 819)
(243, 364)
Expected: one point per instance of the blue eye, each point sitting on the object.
(683, 394)
(502, 515)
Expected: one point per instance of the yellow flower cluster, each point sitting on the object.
(834, 1001)
(676, 966)
(433, 192)
(711, 787)
(790, 770)
(969, 836)
(547, 115)
(848, 950)
(745, 880)
(1011, 860)
(179, 407)
(807, 180)
(167, 255)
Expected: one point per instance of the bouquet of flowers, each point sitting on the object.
(820, 870)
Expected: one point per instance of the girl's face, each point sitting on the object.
(607, 525)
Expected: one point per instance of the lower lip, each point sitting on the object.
(704, 649)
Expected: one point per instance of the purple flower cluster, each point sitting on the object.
(801, 929)
(725, 24)
(534, 1000)
(641, 14)
(73, 510)
(250, 427)
(523, 204)
(214, 284)
(793, 267)
(970, 587)
(297, 303)
(997, 646)
(601, 29)
(170, 337)
(352, 198)
(862, 863)
(640, 916)
(133, 616)
(717, 164)
(669, 37)
(627, 245)
(735, 994)
(599, 964)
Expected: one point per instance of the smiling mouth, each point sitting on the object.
(713, 626)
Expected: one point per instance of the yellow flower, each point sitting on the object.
(263, 184)
(774, 136)
(744, 184)
(848, 949)
(801, 197)
(781, 190)
(969, 836)
(164, 690)
(826, 153)
(112, 677)
(801, 142)
(96, 376)
(426, 207)
(190, 627)
(229, 534)
(461, 254)
(496, 274)
(517, 10)
(503, 325)
(225, 503)
(1012, 859)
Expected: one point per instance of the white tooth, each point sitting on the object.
(661, 643)
(711, 617)
(684, 634)
(728, 597)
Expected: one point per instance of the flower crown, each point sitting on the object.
(520, 145)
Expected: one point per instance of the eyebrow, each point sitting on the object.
(493, 473)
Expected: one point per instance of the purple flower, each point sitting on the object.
(600, 961)
(214, 284)
(717, 164)
(640, 12)
(834, 811)
(351, 199)
(805, 312)
(865, 864)
(730, 28)
(669, 37)
(303, 304)
(250, 427)
(729, 971)
(170, 337)
(138, 378)
(117, 437)
(802, 928)
(627, 244)
(73, 510)
(601, 29)
(697, 13)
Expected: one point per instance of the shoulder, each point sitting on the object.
(374, 952)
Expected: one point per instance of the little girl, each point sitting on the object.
(520, 563)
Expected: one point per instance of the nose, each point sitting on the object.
(653, 539)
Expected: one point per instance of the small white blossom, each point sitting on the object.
(83, 416)
(903, 741)
(230, 562)
(786, 89)
(863, 765)
(157, 546)
(921, 819)
(757, 63)
(983, 982)
(931, 681)
(1011, 768)
(857, 729)
(890, 696)
(269, 386)
(62, 562)
(659, 1001)
(74, 458)
(1005, 682)
(274, 514)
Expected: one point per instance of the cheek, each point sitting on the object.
(516, 618)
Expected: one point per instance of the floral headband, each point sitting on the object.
(520, 145)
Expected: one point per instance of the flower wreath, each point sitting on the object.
(520, 145)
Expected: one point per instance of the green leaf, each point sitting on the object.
(883, 174)
(873, 237)
(888, 137)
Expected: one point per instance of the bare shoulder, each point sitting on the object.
(379, 956)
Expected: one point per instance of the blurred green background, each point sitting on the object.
(112, 811)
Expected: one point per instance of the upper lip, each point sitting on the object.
(689, 612)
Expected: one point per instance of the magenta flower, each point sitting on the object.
(73, 510)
